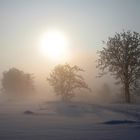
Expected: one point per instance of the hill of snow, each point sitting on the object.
(69, 121)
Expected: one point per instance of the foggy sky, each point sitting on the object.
(85, 22)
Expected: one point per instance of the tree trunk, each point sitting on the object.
(65, 98)
(126, 83)
(127, 93)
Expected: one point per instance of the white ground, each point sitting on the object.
(72, 121)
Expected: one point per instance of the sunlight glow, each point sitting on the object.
(54, 45)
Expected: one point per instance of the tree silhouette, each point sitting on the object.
(121, 57)
(65, 79)
(105, 93)
(17, 82)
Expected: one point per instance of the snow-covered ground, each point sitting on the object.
(69, 121)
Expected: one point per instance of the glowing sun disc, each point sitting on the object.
(54, 45)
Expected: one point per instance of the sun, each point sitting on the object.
(54, 45)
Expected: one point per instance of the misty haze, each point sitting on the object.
(69, 70)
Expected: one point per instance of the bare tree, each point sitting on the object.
(17, 82)
(65, 79)
(121, 57)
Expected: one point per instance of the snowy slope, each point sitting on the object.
(69, 121)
